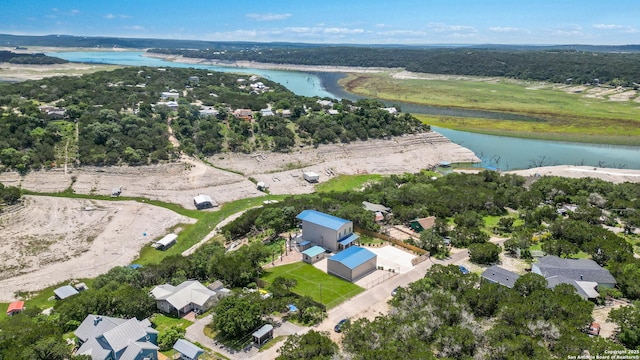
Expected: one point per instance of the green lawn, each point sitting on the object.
(320, 286)
(556, 114)
(163, 322)
(346, 183)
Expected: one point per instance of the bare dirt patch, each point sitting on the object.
(615, 176)
(283, 171)
(49, 240)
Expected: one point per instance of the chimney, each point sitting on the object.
(580, 276)
(97, 320)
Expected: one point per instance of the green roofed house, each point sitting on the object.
(420, 225)
(313, 254)
(352, 264)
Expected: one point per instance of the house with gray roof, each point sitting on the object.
(189, 296)
(585, 289)
(575, 269)
(501, 276)
(108, 338)
(187, 350)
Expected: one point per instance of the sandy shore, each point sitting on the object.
(268, 66)
(615, 176)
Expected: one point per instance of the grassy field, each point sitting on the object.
(556, 113)
(320, 286)
(346, 183)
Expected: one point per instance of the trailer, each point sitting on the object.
(311, 176)
(166, 242)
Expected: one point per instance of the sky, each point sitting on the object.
(417, 22)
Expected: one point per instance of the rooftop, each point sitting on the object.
(313, 251)
(186, 348)
(353, 257)
(322, 219)
(501, 276)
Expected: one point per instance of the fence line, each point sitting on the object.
(394, 241)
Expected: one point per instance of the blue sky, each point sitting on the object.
(612, 22)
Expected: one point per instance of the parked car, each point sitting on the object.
(463, 270)
(394, 291)
(338, 327)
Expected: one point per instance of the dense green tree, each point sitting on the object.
(487, 253)
(312, 345)
(237, 315)
(628, 318)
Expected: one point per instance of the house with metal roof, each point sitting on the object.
(313, 254)
(575, 269)
(352, 264)
(501, 276)
(327, 231)
(187, 350)
(189, 296)
(104, 337)
(64, 292)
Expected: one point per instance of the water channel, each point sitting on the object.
(502, 152)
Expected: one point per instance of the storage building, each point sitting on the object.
(352, 264)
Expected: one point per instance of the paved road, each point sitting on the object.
(349, 309)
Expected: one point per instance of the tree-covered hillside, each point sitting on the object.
(559, 66)
(109, 118)
(31, 59)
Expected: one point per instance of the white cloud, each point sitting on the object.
(268, 17)
(111, 16)
(608, 26)
(621, 28)
(74, 12)
(444, 28)
(505, 29)
(323, 30)
(402, 33)
(135, 27)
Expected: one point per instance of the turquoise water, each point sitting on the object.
(300, 83)
(496, 151)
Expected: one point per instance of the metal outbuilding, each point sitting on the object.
(352, 264)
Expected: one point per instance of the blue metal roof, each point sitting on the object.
(292, 308)
(305, 243)
(353, 257)
(322, 219)
(313, 251)
(349, 239)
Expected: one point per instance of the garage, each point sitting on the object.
(352, 264)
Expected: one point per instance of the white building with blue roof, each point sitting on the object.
(327, 231)
(352, 264)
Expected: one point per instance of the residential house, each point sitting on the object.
(575, 269)
(244, 114)
(327, 231)
(501, 276)
(172, 94)
(189, 296)
(333, 112)
(352, 264)
(585, 289)
(266, 112)
(187, 350)
(108, 338)
(420, 225)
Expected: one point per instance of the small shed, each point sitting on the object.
(15, 307)
(166, 242)
(204, 202)
(310, 176)
(187, 350)
(262, 335)
(81, 287)
(305, 245)
(313, 254)
(64, 292)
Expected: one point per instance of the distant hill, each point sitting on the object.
(32, 59)
(110, 42)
